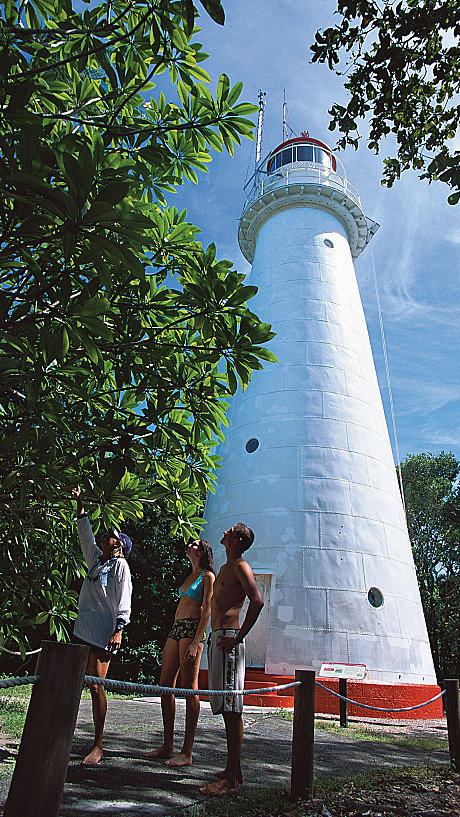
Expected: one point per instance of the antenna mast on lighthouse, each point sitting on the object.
(260, 125)
(287, 130)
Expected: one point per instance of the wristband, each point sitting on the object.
(120, 627)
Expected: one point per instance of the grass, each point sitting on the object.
(359, 732)
(12, 716)
(24, 693)
(17, 692)
(276, 801)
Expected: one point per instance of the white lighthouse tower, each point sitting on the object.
(307, 463)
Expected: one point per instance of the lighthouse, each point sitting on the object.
(307, 462)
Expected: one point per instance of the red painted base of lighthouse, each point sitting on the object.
(389, 696)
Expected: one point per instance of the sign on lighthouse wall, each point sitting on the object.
(307, 461)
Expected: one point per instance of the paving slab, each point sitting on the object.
(128, 783)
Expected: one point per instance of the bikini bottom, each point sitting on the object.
(185, 628)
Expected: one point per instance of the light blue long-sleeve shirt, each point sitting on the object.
(105, 595)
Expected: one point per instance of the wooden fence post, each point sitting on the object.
(41, 765)
(343, 704)
(303, 734)
(453, 721)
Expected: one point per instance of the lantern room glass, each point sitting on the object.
(301, 153)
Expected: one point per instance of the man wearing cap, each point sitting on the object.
(104, 608)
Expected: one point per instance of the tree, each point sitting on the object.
(403, 71)
(432, 497)
(121, 336)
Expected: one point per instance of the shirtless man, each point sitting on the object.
(226, 660)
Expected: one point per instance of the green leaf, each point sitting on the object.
(234, 94)
(91, 349)
(215, 10)
(241, 295)
(95, 306)
(222, 88)
(265, 354)
(245, 107)
(232, 382)
(64, 343)
(197, 72)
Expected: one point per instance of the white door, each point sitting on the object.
(256, 640)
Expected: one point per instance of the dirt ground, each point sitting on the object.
(427, 793)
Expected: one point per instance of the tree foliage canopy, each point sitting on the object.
(402, 68)
(432, 496)
(121, 336)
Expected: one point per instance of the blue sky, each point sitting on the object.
(416, 251)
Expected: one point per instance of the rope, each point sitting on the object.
(387, 372)
(147, 689)
(11, 652)
(380, 708)
(5, 683)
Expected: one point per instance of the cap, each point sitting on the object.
(125, 541)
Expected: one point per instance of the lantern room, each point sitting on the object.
(302, 150)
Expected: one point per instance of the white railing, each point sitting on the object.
(300, 173)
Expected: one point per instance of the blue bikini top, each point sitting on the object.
(195, 591)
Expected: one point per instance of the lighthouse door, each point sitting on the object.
(257, 638)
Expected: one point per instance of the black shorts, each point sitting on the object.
(99, 652)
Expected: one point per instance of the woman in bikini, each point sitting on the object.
(183, 649)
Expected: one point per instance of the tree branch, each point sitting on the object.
(34, 72)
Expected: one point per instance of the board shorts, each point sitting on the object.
(225, 671)
(185, 628)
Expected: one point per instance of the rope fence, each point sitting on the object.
(147, 689)
(379, 708)
(20, 654)
(50, 723)
(6, 683)
(129, 688)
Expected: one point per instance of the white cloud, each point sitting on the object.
(426, 396)
(454, 236)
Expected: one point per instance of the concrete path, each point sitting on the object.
(126, 783)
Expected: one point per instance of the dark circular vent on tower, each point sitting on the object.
(252, 445)
(328, 242)
(375, 597)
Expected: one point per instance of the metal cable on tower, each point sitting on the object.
(387, 373)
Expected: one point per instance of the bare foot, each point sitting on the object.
(224, 773)
(180, 760)
(220, 787)
(161, 752)
(93, 758)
